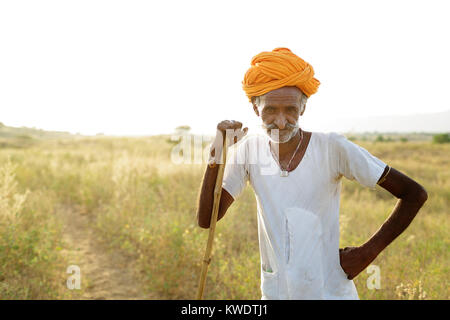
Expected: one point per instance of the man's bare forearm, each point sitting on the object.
(411, 197)
(206, 197)
(404, 212)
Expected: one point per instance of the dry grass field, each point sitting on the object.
(122, 211)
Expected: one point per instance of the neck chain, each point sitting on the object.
(285, 173)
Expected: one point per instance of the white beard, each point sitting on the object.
(275, 137)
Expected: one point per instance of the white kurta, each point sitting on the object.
(298, 215)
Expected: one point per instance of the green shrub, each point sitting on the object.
(441, 138)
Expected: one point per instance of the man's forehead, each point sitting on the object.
(282, 95)
(284, 91)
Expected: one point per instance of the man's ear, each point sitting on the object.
(255, 106)
(302, 109)
(303, 104)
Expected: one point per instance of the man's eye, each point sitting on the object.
(269, 110)
(292, 109)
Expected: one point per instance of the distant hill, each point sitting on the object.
(19, 137)
(426, 122)
(10, 132)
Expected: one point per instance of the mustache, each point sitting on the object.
(272, 126)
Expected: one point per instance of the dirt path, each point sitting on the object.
(104, 274)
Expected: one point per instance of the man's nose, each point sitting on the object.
(280, 121)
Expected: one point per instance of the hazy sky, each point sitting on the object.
(145, 67)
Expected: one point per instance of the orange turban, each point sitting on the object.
(276, 69)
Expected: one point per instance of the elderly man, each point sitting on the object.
(296, 176)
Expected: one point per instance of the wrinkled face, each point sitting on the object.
(280, 110)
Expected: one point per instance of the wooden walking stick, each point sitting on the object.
(212, 225)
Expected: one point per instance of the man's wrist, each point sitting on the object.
(215, 150)
(212, 162)
(212, 159)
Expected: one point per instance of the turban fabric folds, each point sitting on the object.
(276, 69)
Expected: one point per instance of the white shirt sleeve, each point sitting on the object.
(236, 175)
(354, 162)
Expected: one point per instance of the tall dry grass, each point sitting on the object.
(29, 239)
(145, 205)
